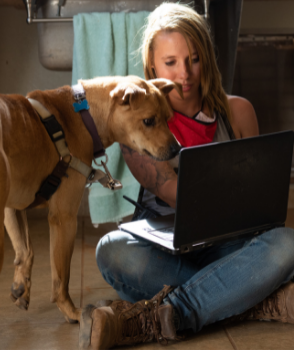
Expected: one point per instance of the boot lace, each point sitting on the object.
(141, 323)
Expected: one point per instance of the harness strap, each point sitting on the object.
(51, 184)
(53, 181)
(60, 143)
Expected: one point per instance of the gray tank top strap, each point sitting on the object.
(224, 131)
(228, 126)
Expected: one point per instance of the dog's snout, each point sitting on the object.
(166, 153)
(175, 149)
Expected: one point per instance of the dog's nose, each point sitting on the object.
(175, 149)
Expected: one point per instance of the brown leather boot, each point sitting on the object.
(119, 322)
(279, 306)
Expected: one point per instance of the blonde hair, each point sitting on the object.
(172, 17)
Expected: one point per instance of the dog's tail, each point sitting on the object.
(4, 191)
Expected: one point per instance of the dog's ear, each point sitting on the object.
(166, 86)
(128, 95)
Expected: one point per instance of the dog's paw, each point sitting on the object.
(17, 290)
(22, 303)
(16, 296)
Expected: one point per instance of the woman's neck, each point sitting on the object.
(188, 108)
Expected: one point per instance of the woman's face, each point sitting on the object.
(171, 61)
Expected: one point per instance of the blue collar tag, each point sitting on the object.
(81, 105)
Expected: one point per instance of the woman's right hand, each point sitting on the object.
(156, 176)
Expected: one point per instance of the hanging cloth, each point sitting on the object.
(194, 131)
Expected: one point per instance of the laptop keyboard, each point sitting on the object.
(167, 234)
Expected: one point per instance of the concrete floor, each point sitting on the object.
(43, 327)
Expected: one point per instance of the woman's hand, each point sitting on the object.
(157, 177)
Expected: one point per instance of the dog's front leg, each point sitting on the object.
(17, 229)
(63, 209)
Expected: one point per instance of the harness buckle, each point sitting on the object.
(78, 92)
(80, 95)
(53, 128)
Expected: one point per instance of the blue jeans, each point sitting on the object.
(211, 284)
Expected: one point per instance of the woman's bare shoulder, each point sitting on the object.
(243, 117)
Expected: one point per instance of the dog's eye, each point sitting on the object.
(149, 121)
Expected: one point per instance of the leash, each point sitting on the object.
(56, 133)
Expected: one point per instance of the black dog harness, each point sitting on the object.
(56, 133)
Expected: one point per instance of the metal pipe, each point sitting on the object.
(50, 20)
(32, 15)
(206, 8)
(53, 19)
(29, 10)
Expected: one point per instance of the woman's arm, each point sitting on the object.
(243, 121)
(158, 177)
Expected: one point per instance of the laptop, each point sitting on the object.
(225, 191)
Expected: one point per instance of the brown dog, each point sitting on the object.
(127, 110)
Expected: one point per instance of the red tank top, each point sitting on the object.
(194, 131)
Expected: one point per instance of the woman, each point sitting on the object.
(210, 284)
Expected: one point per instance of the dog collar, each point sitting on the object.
(82, 107)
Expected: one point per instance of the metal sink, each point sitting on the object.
(56, 38)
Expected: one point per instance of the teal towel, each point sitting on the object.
(106, 44)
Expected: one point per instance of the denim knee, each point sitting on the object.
(280, 249)
(108, 249)
(281, 240)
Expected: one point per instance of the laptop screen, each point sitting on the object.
(227, 187)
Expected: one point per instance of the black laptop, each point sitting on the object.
(225, 191)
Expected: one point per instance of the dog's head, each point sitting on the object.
(140, 111)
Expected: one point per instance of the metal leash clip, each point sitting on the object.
(108, 181)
